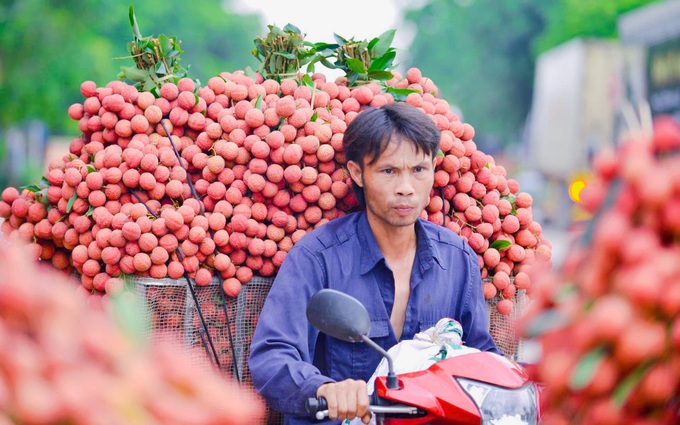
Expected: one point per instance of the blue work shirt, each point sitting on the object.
(290, 359)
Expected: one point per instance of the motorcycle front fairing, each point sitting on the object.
(439, 394)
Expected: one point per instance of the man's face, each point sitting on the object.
(397, 185)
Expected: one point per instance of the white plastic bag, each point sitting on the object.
(442, 341)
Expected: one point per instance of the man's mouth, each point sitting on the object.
(403, 209)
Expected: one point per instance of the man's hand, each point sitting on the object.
(347, 399)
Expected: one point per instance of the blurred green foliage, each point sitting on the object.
(482, 53)
(48, 48)
(567, 19)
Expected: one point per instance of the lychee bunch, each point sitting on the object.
(609, 322)
(63, 362)
(224, 179)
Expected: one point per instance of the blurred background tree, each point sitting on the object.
(567, 19)
(482, 53)
(48, 48)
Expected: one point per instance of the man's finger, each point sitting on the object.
(342, 397)
(351, 401)
(327, 391)
(362, 399)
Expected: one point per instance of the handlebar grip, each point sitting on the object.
(314, 405)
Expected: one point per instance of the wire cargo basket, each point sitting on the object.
(171, 307)
(214, 339)
(172, 310)
(503, 328)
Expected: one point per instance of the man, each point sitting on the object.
(408, 272)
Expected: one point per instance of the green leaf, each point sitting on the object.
(150, 85)
(91, 169)
(315, 115)
(440, 153)
(380, 75)
(310, 66)
(133, 22)
(89, 211)
(586, 368)
(372, 44)
(401, 91)
(258, 102)
(286, 55)
(325, 48)
(259, 50)
(623, 390)
(69, 205)
(291, 27)
(249, 72)
(153, 88)
(160, 68)
(165, 44)
(340, 40)
(356, 65)
(31, 188)
(41, 197)
(148, 46)
(328, 64)
(353, 76)
(307, 81)
(500, 244)
(384, 42)
(383, 62)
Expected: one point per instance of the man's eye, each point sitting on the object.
(419, 169)
(388, 171)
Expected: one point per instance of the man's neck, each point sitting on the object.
(394, 242)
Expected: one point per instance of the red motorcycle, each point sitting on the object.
(474, 388)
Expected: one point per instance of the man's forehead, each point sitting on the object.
(395, 150)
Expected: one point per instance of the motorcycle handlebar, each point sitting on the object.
(319, 408)
(315, 405)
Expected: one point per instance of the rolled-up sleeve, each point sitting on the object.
(283, 344)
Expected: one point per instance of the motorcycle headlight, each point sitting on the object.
(503, 406)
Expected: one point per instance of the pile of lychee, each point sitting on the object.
(224, 179)
(609, 321)
(64, 362)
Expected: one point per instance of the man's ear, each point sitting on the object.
(355, 173)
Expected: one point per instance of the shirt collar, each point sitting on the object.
(426, 252)
(370, 251)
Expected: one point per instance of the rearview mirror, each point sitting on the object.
(338, 315)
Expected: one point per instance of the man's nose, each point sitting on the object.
(404, 185)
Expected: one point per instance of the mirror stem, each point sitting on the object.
(392, 382)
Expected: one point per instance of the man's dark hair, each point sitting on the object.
(371, 131)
